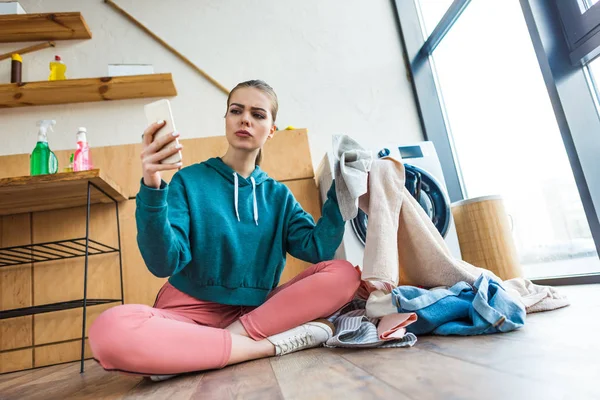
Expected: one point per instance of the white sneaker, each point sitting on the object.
(311, 334)
(160, 378)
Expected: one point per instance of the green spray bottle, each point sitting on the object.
(42, 160)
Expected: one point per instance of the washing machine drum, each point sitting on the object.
(428, 193)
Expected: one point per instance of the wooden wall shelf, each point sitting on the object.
(86, 90)
(55, 191)
(49, 26)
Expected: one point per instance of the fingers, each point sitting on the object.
(151, 131)
(160, 143)
(164, 167)
(156, 150)
(150, 169)
(161, 155)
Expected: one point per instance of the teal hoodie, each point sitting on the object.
(223, 238)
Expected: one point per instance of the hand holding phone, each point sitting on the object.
(161, 111)
(162, 150)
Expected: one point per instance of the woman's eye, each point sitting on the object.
(259, 116)
(234, 111)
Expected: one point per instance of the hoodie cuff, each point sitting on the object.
(153, 197)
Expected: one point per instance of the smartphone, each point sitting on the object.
(161, 110)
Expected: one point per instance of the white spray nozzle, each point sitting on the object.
(44, 125)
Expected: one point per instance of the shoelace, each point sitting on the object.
(295, 342)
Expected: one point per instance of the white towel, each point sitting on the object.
(352, 165)
(535, 298)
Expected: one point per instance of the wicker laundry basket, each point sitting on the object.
(484, 235)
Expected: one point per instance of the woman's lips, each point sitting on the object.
(243, 134)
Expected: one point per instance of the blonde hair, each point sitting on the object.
(266, 89)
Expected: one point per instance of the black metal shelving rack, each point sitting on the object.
(61, 250)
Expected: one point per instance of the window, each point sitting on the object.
(510, 113)
(507, 140)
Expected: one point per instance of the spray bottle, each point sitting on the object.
(42, 160)
(83, 159)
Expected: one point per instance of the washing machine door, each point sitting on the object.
(429, 194)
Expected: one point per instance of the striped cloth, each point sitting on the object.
(354, 329)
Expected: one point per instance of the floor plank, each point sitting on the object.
(323, 374)
(67, 382)
(538, 364)
(572, 328)
(541, 351)
(14, 375)
(36, 387)
(250, 380)
(100, 384)
(14, 379)
(424, 375)
(582, 295)
(181, 387)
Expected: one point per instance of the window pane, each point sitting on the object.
(587, 4)
(594, 69)
(431, 12)
(507, 140)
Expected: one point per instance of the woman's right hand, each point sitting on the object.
(152, 154)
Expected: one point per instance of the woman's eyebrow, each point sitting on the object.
(252, 108)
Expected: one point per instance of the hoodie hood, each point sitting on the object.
(257, 177)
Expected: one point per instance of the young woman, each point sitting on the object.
(220, 231)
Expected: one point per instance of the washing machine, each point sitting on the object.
(424, 180)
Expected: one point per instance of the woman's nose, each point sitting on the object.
(245, 119)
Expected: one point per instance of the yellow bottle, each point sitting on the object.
(57, 70)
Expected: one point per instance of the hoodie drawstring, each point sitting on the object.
(254, 200)
(235, 195)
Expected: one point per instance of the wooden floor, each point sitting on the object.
(556, 356)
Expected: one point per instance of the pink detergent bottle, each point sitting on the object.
(83, 158)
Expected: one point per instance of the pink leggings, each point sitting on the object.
(183, 334)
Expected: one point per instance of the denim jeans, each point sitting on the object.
(484, 307)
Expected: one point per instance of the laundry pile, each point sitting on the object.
(412, 285)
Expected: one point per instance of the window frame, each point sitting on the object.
(581, 30)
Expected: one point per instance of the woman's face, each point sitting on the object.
(248, 122)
